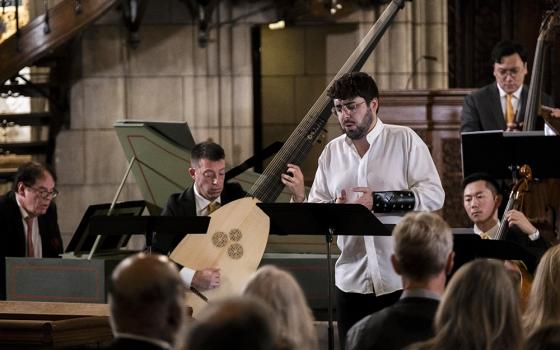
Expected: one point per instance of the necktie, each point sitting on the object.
(212, 207)
(510, 115)
(29, 236)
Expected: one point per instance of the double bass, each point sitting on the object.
(238, 232)
(534, 107)
(542, 206)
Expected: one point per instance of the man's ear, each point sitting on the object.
(20, 188)
(374, 105)
(395, 263)
(450, 262)
(498, 200)
(192, 171)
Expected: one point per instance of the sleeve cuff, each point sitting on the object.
(187, 275)
(535, 236)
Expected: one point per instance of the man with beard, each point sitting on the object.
(386, 168)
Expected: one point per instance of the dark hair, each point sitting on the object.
(354, 84)
(29, 173)
(490, 181)
(507, 48)
(546, 337)
(207, 150)
(234, 323)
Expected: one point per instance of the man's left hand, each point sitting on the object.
(294, 181)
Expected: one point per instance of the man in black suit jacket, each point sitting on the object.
(482, 199)
(146, 300)
(28, 218)
(423, 257)
(486, 108)
(209, 191)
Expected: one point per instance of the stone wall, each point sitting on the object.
(168, 77)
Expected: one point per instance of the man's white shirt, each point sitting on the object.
(187, 274)
(396, 160)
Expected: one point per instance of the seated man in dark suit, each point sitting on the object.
(501, 105)
(208, 193)
(482, 199)
(147, 304)
(28, 218)
(423, 257)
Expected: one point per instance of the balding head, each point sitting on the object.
(147, 297)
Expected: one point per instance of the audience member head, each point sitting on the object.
(238, 323)
(544, 300)
(479, 310)
(510, 65)
(208, 169)
(481, 199)
(294, 320)
(147, 298)
(34, 186)
(423, 248)
(546, 337)
(356, 101)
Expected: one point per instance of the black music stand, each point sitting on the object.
(469, 247)
(494, 152)
(148, 226)
(323, 219)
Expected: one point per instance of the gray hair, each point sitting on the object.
(423, 242)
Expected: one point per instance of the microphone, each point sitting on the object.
(415, 65)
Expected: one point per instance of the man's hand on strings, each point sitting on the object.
(206, 279)
(518, 219)
(293, 179)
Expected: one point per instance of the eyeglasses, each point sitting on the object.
(44, 194)
(514, 72)
(349, 107)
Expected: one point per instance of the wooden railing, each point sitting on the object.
(47, 32)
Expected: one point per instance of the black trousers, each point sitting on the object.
(352, 307)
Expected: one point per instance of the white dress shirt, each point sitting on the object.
(37, 243)
(186, 273)
(493, 232)
(515, 102)
(157, 342)
(396, 160)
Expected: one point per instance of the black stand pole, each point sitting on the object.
(330, 281)
(325, 219)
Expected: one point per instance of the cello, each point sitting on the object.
(515, 201)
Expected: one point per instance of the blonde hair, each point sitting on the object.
(544, 300)
(283, 294)
(423, 242)
(479, 310)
